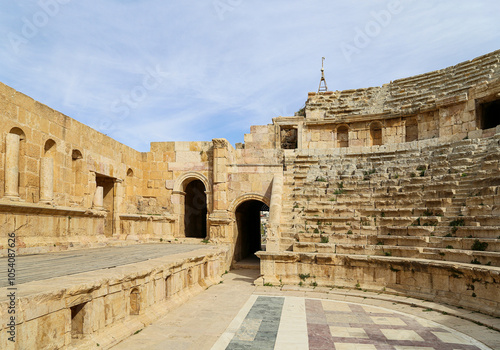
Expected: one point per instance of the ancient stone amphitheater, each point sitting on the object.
(393, 189)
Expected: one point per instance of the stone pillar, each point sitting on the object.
(99, 198)
(12, 166)
(117, 205)
(300, 132)
(273, 242)
(178, 199)
(46, 180)
(219, 217)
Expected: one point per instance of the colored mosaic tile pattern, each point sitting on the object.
(344, 326)
(260, 327)
(293, 323)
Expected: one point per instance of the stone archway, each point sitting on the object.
(195, 210)
(249, 228)
(191, 197)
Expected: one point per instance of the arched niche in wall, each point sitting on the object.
(19, 132)
(76, 154)
(47, 165)
(135, 301)
(15, 150)
(49, 148)
(80, 176)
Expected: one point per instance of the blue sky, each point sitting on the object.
(151, 70)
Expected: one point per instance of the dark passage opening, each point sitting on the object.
(195, 206)
(490, 114)
(251, 217)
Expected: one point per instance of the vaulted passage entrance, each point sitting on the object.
(195, 209)
(251, 217)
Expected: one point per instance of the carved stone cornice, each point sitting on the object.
(220, 143)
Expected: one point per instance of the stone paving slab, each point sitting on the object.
(44, 266)
(343, 326)
(231, 316)
(198, 323)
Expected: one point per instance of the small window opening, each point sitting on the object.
(288, 138)
(490, 114)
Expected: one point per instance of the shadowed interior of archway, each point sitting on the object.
(250, 228)
(195, 219)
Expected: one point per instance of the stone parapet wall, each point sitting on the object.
(463, 285)
(114, 303)
(41, 229)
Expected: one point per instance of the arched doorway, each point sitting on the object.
(251, 218)
(195, 210)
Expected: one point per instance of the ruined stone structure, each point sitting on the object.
(393, 188)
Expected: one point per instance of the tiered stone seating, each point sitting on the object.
(437, 203)
(417, 92)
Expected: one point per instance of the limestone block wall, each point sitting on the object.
(77, 150)
(471, 287)
(261, 137)
(51, 167)
(169, 168)
(444, 104)
(104, 307)
(169, 161)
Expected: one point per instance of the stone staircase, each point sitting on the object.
(438, 203)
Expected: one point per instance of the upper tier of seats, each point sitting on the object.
(420, 92)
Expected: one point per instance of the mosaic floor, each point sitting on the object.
(289, 323)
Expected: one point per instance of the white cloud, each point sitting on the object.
(221, 76)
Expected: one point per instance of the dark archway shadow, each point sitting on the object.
(195, 206)
(249, 237)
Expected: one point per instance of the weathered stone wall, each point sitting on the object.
(110, 310)
(443, 104)
(64, 161)
(65, 185)
(474, 288)
(73, 175)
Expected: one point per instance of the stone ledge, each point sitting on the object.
(44, 306)
(459, 284)
(145, 217)
(33, 208)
